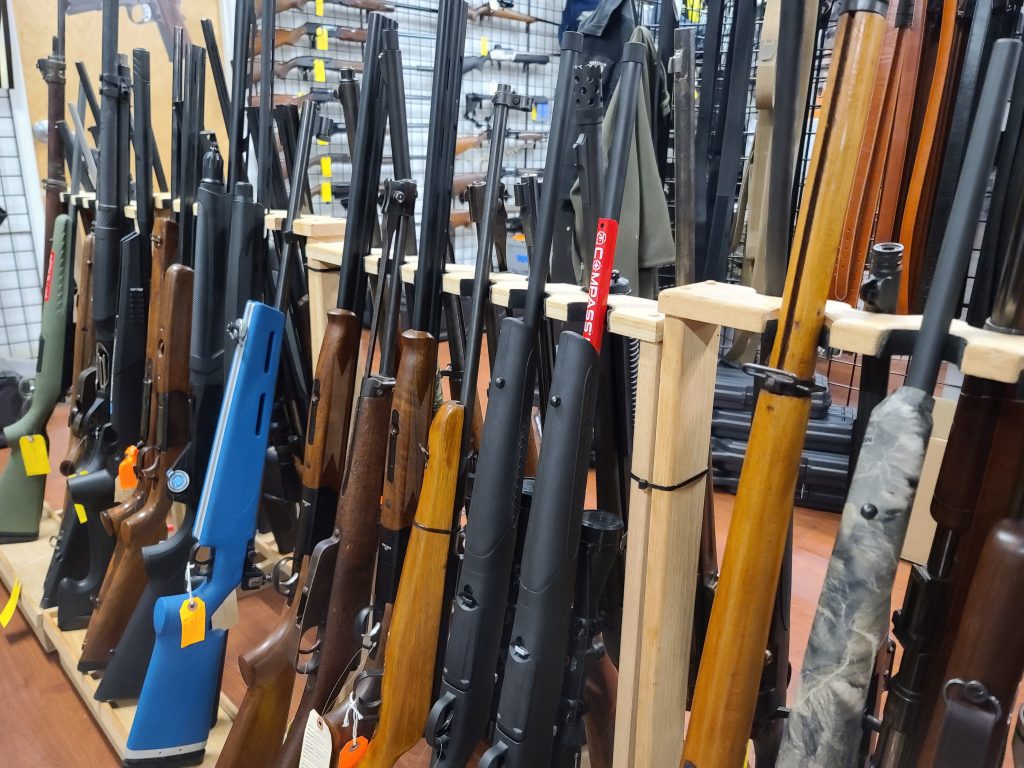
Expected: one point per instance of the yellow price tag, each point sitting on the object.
(319, 7)
(325, 192)
(484, 45)
(193, 621)
(12, 602)
(325, 166)
(319, 71)
(533, 112)
(80, 511)
(33, 455)
(322, 142)
(321, 38)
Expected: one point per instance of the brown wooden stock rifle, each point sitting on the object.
(280, 6)
(306, 65)
(268, 670)
(733, 660)
(497, 9)
(126, 576)
(283, 37)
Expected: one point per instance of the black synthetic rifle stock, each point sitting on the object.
(118, 289)
(528, 705)
(493, 515)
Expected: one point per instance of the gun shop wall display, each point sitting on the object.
(513, 384)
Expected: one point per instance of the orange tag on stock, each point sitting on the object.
(126, 469)
(352, 752)
(193, 621)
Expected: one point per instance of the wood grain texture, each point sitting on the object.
(410, 423)
(412, 641)
(143, 521)
(730, 672)
(328, 429)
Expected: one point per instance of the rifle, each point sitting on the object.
(374, 6)
(189, 651)
(118, 289)
(52, 68)
(598, 549)
(23, 494)
(465, 143)
(338, 584)
(733, 662)
(307, 65)
(499, 55)
(142, 521)
(311, 29)
(987, 660)
(498, 9)
(166, 14)
(466, 694)
(822, 726)
(528, 710)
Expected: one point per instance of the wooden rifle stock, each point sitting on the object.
(85, 338)
(599, 718)
(485, 10)
(410, 653)
(733, 661)
(988, 656)
(268, 670)
(126, 577)
(465, 143)
(341, 572)
(282, 37)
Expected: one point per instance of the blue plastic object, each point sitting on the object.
(179, 698)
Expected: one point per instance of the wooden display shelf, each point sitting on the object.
(28, 561)
(672, 435)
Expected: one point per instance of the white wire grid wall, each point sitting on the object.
(417, 29)
(20, 282)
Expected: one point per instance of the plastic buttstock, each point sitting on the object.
(415, 622)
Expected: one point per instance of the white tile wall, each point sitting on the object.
(20, 281)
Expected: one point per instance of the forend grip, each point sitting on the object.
(129, 363)
(208, 300)
(529, 699)
(474, 641)
(226, 517)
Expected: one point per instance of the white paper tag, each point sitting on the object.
(316, 743)
(226, 616)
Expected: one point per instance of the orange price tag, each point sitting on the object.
(352, 752)
(193, 621)
(126, 469)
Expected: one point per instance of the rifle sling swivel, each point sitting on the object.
(780, 382)
(427, 529)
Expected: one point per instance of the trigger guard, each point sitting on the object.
(284, 586)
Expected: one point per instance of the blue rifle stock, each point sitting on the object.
(225, 523)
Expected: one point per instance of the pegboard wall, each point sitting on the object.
(417, 29)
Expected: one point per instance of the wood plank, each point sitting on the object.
(729, 306)
(29, 561)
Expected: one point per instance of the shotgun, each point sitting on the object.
(499, 55)
(459, 718)
(375, 6)
(189, 651)
(311, 30)
(268, 670)
(498, 9)
(732, 664)
(530, 709)
(307, 66)
(348, 570)
(23, 493)
(142, 520)
(119, 290)
(826, 721)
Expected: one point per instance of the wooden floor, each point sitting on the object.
(43, 723)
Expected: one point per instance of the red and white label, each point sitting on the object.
(49, 277)
(600, 280)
